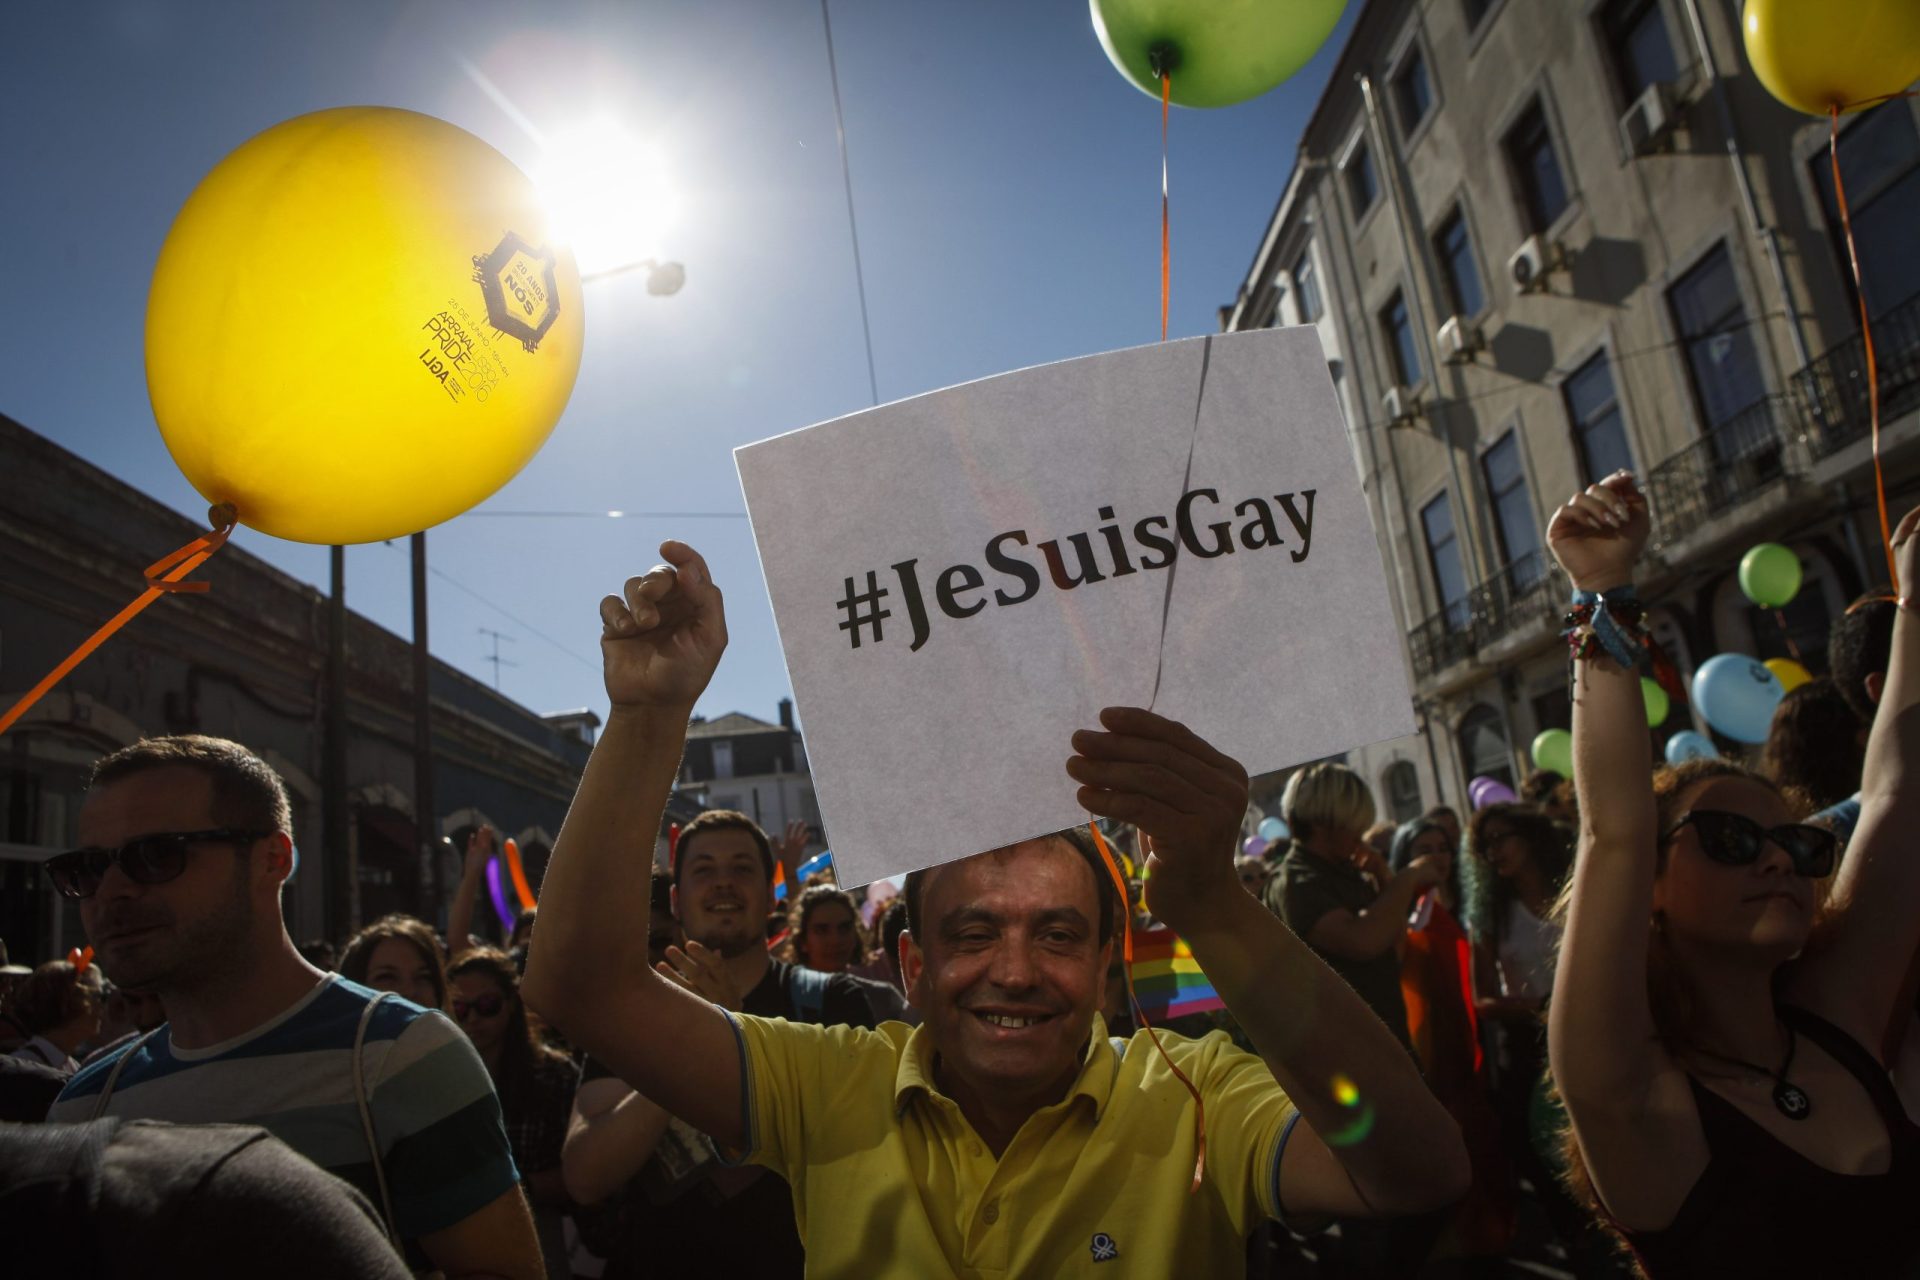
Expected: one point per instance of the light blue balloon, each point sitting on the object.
(1688, 745)
(1272, 829)
(1737, 696)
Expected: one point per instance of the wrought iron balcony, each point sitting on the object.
(1734, 462)
(1834, 387)
(1528, 593)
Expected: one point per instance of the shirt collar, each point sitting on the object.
(1098, 1067)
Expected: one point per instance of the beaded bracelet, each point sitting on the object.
(1614, 624)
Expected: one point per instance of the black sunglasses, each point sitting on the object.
(1736, 841)
(150, 859)
(486, 1006)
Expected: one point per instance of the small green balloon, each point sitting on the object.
(1553, 751)
(1658, 704)
(1770, 575)
(1218, 52)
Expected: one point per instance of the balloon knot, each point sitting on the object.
(223, 515)
(1163, 57)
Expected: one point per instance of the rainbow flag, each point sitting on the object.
(1167, 979)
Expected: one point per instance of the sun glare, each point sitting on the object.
(609, 194)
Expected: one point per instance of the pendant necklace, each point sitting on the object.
(1791, 1100)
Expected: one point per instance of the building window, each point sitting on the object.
(722, 758)
(1397, 323)
(1483, 745)
(1412, 90)
(1363, 185)
(1513, 513)
(1462, 273)
(1599, 433)
(1443, 553)
(1536, 169)
(1637, 45)
(1403, 791)
(1306, 287)
(1722, 362)
(1880, 163)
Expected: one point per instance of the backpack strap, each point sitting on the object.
(807, 990)
(113, 1076)
(366, 1119)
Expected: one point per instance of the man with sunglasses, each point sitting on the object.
(186, 850)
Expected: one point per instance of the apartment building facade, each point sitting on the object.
(1541, 241)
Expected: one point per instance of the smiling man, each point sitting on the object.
(187, 847)
(1008, 1135)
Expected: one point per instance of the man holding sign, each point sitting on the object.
(1007, 1135)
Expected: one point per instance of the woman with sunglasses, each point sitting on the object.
(1731, 1113)
(536, 1084)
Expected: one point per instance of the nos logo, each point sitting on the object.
(518, 284)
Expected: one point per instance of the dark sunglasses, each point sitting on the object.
(151, 859)
(1737, 841)
(486, 1006)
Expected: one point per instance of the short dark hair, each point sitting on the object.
(1814, 747)
(246, 791)
(1081, 843)
(1860, 644)
(893, 923)
(722, 820)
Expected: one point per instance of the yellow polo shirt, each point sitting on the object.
(889, 1179)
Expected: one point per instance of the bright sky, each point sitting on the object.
(1006, 182)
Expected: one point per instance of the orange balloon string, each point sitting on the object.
(1866, 330)
(1126, 952)
(518, 872)
(1166, 241)
(163, 576)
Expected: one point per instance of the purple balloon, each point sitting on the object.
(1484, 791)
(499, 893)
(1253, 846)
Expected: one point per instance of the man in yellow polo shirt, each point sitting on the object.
(1007, 1136)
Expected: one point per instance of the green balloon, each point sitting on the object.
(1770, 575)
(1658, 704)
(1553, 751)
(1218, 52)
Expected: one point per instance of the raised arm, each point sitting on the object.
(473, 870)
(587, 972)
(1627, 1100)
(1874, 914)
(1309, 1026)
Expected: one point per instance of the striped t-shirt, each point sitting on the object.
(435, 1115)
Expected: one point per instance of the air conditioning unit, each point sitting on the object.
(1649, 122)
(1458, 340)
(1533, 261)
(1401, 406)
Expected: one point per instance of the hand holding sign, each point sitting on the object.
(1187, 797)
(664, 634)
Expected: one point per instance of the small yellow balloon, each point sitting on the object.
(361, 324)
(1789, 673)
(1816, 54)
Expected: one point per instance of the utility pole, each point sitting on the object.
(426, 878)
(341, 875)
(494, 657)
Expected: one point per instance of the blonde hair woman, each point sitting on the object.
(1339, 895)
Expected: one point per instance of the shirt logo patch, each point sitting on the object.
(1104, 1249)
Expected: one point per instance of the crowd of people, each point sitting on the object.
(1641, 1020)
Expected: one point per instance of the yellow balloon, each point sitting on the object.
(1812, 54)
(361, 324)
(1789, 673)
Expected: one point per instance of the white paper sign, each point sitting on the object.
(963, 579)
